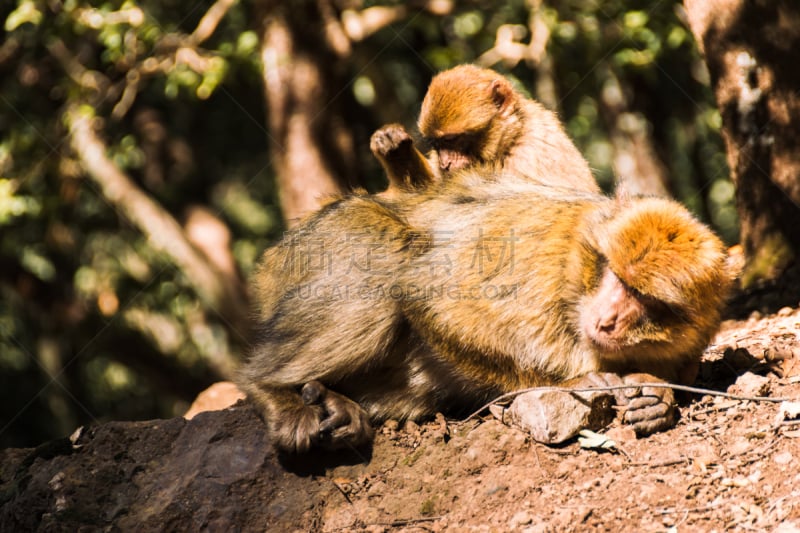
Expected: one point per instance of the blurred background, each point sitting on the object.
(150, 151)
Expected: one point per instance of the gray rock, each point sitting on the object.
(552, 417)
(215, 472)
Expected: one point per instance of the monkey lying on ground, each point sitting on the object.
(473, 116)
(377, 308)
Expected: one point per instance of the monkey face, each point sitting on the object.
(451, 159)
(617, 318)
(611, 313)
(457, 151)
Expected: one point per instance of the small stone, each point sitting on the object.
(411, 426)
(739, 447)
(778, 352)
(788, 411)
(749, 384)
(554, 416)
(522, 518)
(379, 488)
(783, 458)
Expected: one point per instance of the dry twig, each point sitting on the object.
(673, 386)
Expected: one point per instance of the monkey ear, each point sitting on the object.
(502, 95)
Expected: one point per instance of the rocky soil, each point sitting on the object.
(729, 465)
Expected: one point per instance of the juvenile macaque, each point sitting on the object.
(379, 308)
(473, 116)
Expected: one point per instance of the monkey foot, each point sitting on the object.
(647, 409)
(341, 421)
(388, 140)
(324, 419)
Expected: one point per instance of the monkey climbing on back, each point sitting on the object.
(472, 117)
(449, 290)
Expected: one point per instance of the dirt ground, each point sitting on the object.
(729, 465)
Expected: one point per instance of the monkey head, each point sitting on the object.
(470, 115)
(661, 282)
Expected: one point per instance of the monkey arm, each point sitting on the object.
(405, 167)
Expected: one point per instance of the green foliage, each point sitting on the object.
(190, 130)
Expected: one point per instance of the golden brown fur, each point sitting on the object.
(472, 117)
(399, 308)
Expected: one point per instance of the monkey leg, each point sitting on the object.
(405, 167)
(647, 409)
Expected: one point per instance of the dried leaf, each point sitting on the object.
(592, 440)
(789, 411)
(791, 367)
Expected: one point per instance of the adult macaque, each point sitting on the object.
(379, 308)
(473, 116)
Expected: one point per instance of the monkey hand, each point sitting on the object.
(647, 409)
(390, 141)
(326, 419)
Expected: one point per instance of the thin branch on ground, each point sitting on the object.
(673, 386)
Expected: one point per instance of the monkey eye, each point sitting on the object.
(663, 312)
(461, 142)
(658, 310)
(448, 142)
(444, 141)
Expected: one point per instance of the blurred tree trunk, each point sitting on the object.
(302, 51)
(637, 166)
(750, 48)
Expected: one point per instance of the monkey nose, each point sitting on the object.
(607, 323)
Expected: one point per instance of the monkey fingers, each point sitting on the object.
(406, 168)
(600, 380)
(389, 139)
(651, 409)
(297, 430)
(647, 409)
(651, 418)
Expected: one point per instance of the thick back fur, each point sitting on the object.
(412, 305)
